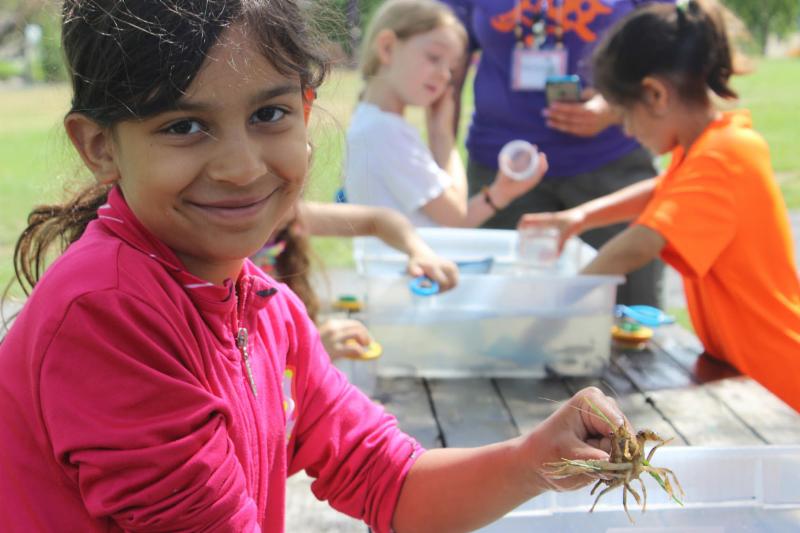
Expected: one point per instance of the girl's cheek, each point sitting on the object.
(293, 162)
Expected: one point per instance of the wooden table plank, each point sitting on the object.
(703, 419)
(696, 414)
(769, 418)
(681, 345)
(470, 412)
(530, 401)
(408, 400)
(772, 419)
(651, 369)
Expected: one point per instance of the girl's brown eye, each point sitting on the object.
(184, 127)
(269, 114)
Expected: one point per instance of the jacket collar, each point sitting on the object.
(233, 304)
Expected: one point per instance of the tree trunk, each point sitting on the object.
(763, 33)
(353, 29)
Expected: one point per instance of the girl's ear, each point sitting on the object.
(655, 95)
(384, 45)
(95, 146)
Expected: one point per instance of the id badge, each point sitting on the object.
(530, 68)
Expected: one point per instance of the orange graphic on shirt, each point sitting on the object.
(574, 15)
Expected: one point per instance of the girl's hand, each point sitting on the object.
(335, 334)
(574, 431)
(441, 114)
(568, 222)
(505, 189)
(582, 119)
(442, 271)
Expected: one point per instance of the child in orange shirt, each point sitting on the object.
(716, 215)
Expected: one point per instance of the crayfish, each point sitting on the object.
(626, 463)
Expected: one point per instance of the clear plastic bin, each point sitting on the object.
(728, 490)
(507, 322)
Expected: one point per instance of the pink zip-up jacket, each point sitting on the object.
(126, 404)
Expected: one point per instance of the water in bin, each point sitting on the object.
(537, 248)
(536, 327)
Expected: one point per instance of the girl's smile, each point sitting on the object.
(234, 210)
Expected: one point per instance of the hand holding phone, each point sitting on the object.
(572, 110)
(563, 89)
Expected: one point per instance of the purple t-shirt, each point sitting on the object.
(502, 114)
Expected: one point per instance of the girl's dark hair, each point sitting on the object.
(687, 43)
(131, 60)
(293, 265)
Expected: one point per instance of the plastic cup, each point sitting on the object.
(537, 247)
(518, 160)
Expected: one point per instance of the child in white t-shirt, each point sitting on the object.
(409, 54)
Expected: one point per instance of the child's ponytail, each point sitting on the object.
(50, 226)
(293, 265)
(687, 43)
(714, 48)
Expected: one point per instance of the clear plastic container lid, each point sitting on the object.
(518, 160)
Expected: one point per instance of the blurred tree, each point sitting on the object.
(346, 23)
(16, 14)
(766, 17)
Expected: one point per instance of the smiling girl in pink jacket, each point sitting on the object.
(156, 380)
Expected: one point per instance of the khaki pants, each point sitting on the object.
(643, 286)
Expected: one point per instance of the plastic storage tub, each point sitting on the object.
(728, 490)
(504, 321)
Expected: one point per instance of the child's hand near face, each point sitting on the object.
(335, 334)
(441, 114)
(442, 271)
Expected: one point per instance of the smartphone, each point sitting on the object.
(563, 88)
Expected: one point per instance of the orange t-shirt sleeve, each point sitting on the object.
(694, 209)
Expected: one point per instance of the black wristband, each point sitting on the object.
(488, 199)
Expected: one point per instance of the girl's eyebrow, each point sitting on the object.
(261, 96)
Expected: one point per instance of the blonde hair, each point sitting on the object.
(405, 18)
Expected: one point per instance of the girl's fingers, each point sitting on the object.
(536, 219)
(440, 277)
(451, 273)
(590, 401)
(414, 269)
(350, 349)
(356, 332)
(442, 271)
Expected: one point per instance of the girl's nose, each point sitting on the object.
(238, 160)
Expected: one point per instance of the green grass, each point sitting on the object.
(682, 317)
(770, 92)
(36, 160)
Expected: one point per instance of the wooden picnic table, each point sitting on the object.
(669, 387)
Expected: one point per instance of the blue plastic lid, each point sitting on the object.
(645, 314)
(423, 286)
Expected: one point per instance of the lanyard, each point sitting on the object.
(537, 23)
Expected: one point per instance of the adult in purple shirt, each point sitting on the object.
(588, 153)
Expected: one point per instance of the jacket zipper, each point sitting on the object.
(241, 342)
